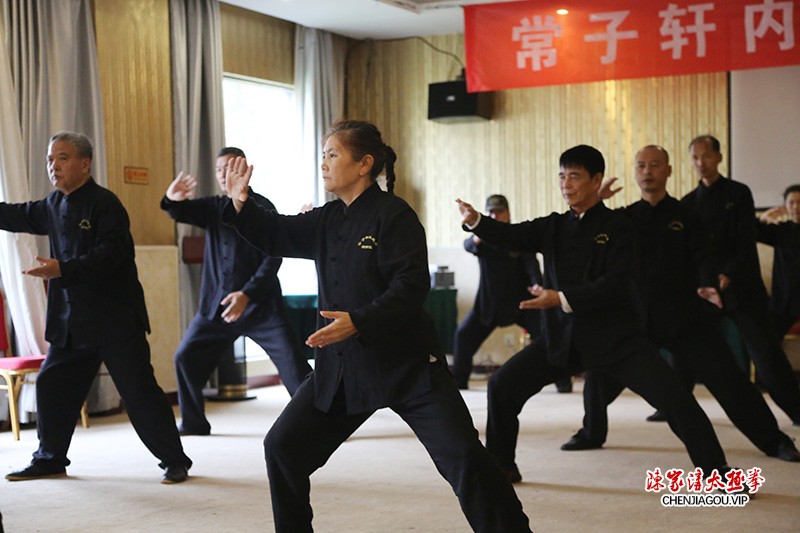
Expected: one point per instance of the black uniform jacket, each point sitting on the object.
(98, 298)
(728, 212)
(596, 279)
(505, 276)
(229, 262)
(372, 262)
(675, 258)
(785, 239)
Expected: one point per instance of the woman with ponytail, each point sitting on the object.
(375, 346)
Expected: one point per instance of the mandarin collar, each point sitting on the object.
(714, 186)
(592, 212)
(364, 199)
(80, 191)
(661, 205)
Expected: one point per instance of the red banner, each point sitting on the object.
(545, 42)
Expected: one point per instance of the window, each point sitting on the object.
(260, 119)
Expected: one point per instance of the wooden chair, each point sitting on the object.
(15, 372)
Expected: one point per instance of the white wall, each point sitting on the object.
(765, 131)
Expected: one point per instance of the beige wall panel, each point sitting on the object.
(516, 153)
(133, 46)
(257, 45)
(158, 273)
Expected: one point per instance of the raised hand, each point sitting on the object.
(340, 329)
(182, 188)
(711, 295)
(236, 303)
(471, 216)
(542, 298)
(237, 181)
(48, 268)
(606, 191)
(773, 215)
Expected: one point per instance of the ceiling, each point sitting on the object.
(362, 19)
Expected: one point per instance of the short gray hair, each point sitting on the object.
(80, 141)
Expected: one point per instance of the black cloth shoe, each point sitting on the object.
(564, 385)
(786, 451)
(175, 474)
(658, 416)
(580, 442)
(37, 471)
(182, 431)
(513, 474)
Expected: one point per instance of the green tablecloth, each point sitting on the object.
(302, 310)
(440, 303)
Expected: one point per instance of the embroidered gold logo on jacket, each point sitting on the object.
(85, 224)
(367, 242)
(601, 238)
(675, 225)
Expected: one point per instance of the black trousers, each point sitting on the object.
(783, 322)
(204, 345)
(702, 350)
(645, 372)
(303, 438)
(772, 366)
(64, 382)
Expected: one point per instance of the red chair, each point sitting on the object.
(794, 331)
(14, 371)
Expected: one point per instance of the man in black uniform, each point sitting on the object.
(675, 257)
(240, 294)
(784, 237)
(504, 279)
(590, 318)
(95, 313)
(727, 210)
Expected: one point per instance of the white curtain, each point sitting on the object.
(48, 82)
(197, 111)
(319, 71)
(53, 56)
(25, 295)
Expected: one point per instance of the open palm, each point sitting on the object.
(237, 180)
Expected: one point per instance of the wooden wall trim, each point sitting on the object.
(133, 49)
(256, 45)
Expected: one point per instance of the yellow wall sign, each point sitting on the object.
(137, 175)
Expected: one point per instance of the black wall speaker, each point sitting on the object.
(449, 101)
